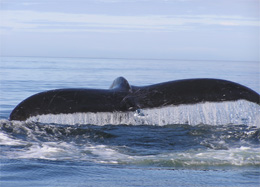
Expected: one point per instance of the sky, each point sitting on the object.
(140, 29)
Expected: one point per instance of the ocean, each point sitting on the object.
(209, 144)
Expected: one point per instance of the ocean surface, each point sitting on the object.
(209, 144)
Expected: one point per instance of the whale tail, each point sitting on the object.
(123, 97)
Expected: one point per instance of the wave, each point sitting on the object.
(173, 145)
(103, 154)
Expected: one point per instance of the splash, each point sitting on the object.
(241, 156)
(183, 146)
(103, 154)
(238, 112)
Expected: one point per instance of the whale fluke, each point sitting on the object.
(122, 97)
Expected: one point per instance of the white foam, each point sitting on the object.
(47, 150)
(218, 113)
(98, 153)
(69, 151)
(6, 140)
(111, 155)
(209, 157)
(105, 154)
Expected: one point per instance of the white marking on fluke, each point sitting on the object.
(211, 113)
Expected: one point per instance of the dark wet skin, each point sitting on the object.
(121, 96)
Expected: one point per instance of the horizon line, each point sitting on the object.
(129, 58)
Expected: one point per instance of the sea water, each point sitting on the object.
(209, 144)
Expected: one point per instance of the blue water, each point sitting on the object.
(176, 154)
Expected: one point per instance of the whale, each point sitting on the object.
(123, 97)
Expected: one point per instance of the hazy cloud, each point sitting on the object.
(194, 29)
(68, 22)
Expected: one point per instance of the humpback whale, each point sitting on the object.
(123, 97)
